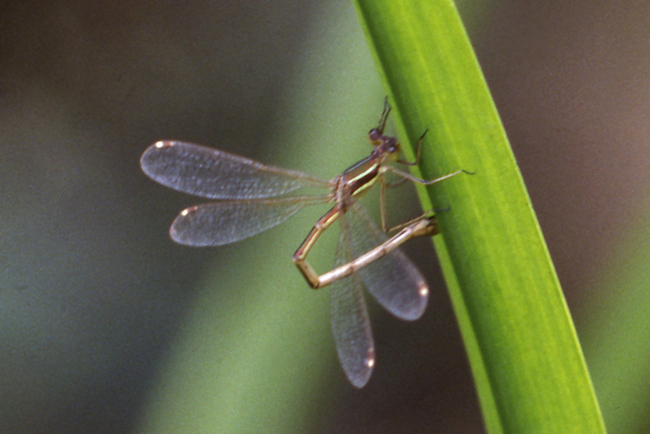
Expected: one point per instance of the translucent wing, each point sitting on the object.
(393, 280)
(350, 321)
(219, 223)
(215, 174)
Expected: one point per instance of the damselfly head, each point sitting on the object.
(376, 137)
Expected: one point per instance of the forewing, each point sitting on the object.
(394, 281)
(215, 174)
(350, 321)
(219, 223)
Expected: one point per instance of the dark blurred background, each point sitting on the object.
(106, 326)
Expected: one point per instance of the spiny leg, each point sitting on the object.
(384, 116)
(417, 152)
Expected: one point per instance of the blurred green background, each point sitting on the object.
(106, 326)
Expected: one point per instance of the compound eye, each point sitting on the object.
(374, 135)
(392, 146)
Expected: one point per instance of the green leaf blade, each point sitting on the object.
(528, 366)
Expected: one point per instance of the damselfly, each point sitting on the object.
(253, 197)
